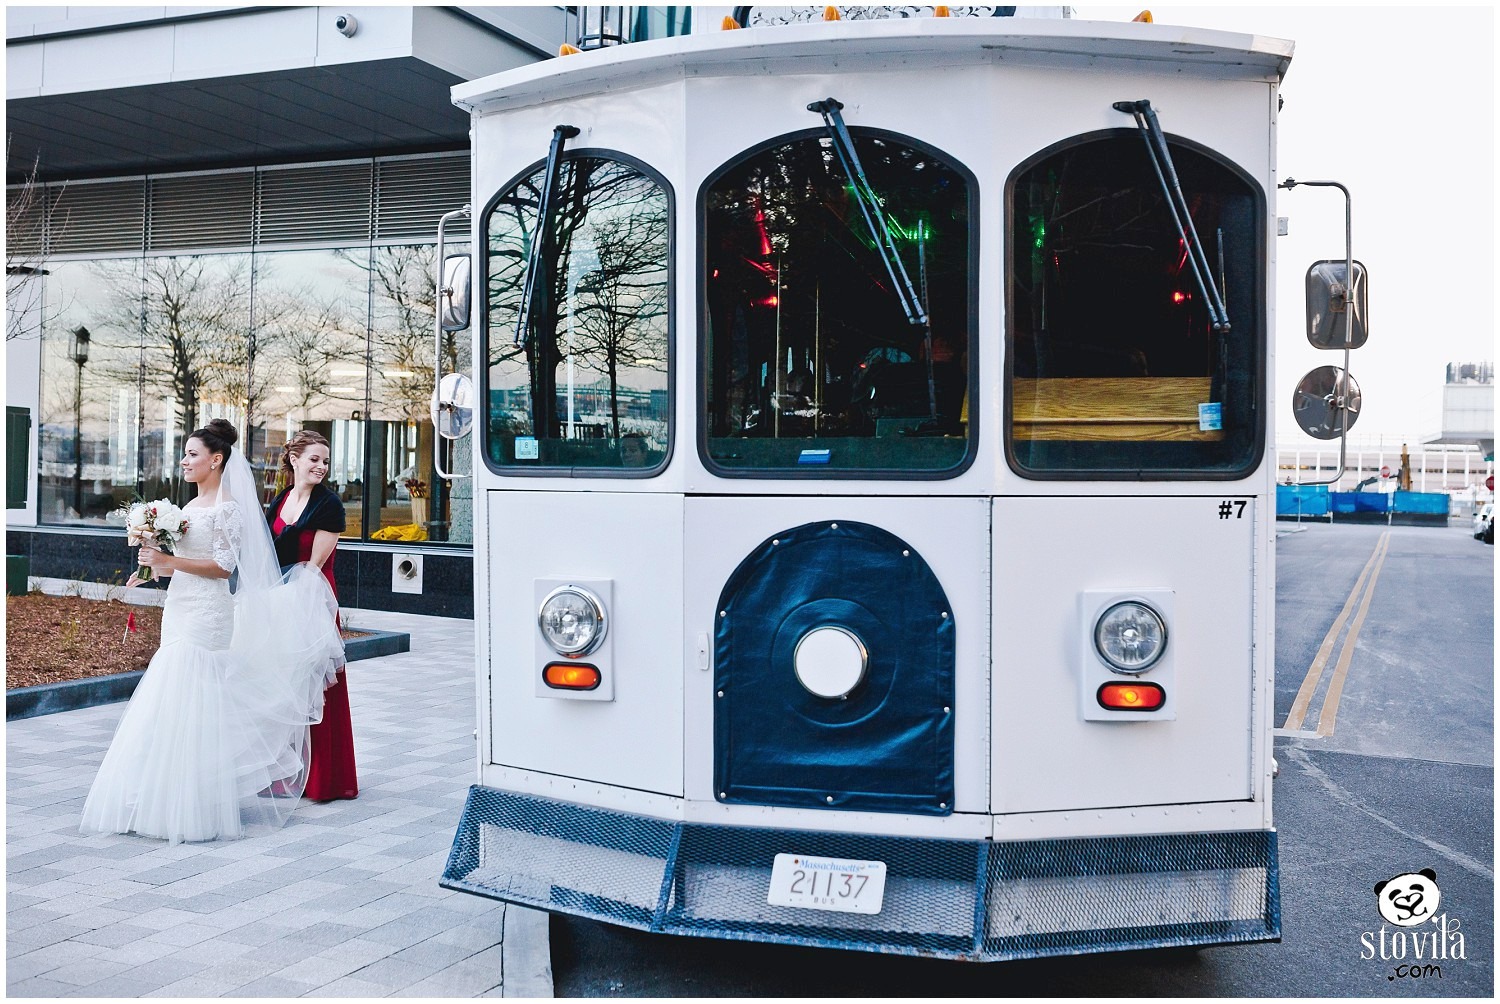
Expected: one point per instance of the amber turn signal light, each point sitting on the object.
(1132, 696)
(571, 676)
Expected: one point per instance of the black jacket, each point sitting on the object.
(324, 512)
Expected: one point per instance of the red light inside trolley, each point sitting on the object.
(1132, 696)
(571, 676)
(1178, 296)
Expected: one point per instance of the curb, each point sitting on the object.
(376, 644)
(50, 698)
(525, 953)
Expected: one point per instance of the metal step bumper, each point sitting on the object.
(961, 899)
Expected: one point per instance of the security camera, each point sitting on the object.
(346, 25)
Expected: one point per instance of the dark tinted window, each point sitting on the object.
(812, 364)
(1114, 367)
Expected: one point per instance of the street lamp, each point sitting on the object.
(78, 351)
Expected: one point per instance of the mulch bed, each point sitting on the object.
(53, 639)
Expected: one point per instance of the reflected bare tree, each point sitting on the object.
(310, 337)
(28, 217)
(608, 247)
(193, 318)
(623, 322)
(405, 295)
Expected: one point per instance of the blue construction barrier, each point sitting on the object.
(1433, 503)
(1405, 508)
(1351, 502)
(1302, 500)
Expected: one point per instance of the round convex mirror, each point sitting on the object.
(1320, 397)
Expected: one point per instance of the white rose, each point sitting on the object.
(168, 519)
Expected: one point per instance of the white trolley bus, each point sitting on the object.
(872, 484)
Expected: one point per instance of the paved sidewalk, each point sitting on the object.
(343, 902)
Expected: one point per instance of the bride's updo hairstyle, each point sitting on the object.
(294, 448)
(219, 436)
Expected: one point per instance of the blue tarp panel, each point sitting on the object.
(1308, 500)
(1360, 501)
(1317, 500)
(886, 745)
(1425, 502)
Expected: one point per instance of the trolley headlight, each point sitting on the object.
(1130, 637)
(572, 621)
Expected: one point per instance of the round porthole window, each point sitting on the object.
(830, 661)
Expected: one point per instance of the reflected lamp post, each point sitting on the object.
(78, 351)
(582, 265)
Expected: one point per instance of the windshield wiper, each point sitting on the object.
(869, 207)
(880, 233)
(1182, 218)
(560, 135)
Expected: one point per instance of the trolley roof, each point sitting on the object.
(863, 45)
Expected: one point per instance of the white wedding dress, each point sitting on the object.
(214, 741)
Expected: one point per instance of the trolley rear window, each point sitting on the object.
(839, 313)
(1114, 369)
(579, 379)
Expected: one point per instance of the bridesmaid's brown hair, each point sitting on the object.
(294, 448)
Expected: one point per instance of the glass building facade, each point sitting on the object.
(278, 298)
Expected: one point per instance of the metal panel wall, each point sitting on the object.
(345, 202)
(1048, 551)
(635, 542)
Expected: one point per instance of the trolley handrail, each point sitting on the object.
(1342, 388)
(437, 323)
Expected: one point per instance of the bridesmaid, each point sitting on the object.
(306, 520)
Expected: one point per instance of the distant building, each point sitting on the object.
(1469, 407)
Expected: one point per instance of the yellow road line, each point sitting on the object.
(1314, 676)
(1346, 654)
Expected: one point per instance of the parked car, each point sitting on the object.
(1484, 523)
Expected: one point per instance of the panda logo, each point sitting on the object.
(1410, 899)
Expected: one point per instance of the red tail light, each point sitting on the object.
(1132, 696)
(571, 676)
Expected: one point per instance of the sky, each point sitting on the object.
(1398, 104)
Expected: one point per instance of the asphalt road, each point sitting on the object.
(1401, 780)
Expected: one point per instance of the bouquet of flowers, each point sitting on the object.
(416, 487)
(160, 524)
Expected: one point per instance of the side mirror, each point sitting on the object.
(453, 296)
(1329, 298)
(1319, 399)
(453, 406)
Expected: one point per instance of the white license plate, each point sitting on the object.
(827, 883)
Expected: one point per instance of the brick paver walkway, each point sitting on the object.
(343, 902)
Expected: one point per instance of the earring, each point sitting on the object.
(213, 467)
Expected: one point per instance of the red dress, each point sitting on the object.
(331, 773)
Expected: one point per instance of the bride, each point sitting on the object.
(214, 740)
